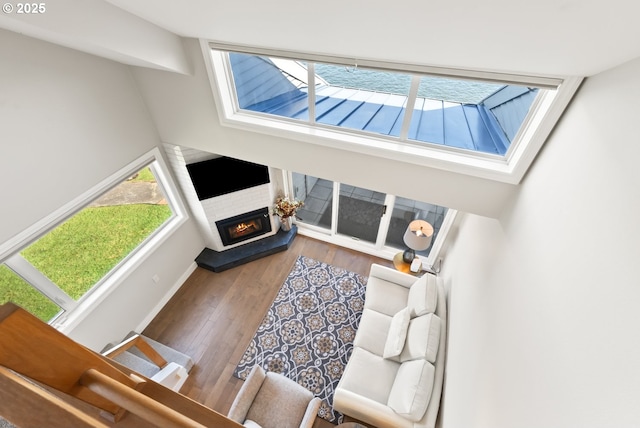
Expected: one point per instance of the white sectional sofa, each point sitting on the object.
(394, 376)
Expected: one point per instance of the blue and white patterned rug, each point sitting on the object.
(307, 334)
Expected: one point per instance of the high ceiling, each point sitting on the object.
(548, 37)
(563, 37)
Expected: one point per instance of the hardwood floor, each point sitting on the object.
(213, 316)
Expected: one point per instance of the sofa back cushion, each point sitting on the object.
(411, 389)
(423, 339)
(423, 296)
(384, 296)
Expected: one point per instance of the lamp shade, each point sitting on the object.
(418, 235)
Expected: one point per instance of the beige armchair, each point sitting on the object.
(270, 400)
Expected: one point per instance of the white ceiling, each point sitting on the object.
(553, 37)
(547, 37)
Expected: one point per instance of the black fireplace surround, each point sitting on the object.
(244, 226)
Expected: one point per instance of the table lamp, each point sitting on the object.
(417, 237)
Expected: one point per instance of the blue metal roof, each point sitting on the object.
(487, 127)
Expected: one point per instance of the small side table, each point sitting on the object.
(403, 266)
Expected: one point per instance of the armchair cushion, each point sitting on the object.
(270, 400)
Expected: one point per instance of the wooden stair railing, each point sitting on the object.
(26, 404)
(40, 353)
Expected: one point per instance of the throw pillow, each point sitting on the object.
(397, 334)
(411, 389)
(423, 296)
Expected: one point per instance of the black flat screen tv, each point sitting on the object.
(223, 175)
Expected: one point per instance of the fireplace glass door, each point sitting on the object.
(244, 226)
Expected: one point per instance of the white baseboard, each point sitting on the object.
(154, 312)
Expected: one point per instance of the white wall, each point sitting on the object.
(67, 121)
(88, 26)
(545, 301)
(185, 114)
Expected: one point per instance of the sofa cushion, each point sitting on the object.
(423, 296)
(369, 375)
(397, 334)
(384, 296)
(372, 331)
(411, 390)
(423, 338)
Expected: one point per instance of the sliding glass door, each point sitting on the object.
(375, 220)
(360, 212)
(317, 195)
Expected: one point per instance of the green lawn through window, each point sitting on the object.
(82, 250)
(15, 289)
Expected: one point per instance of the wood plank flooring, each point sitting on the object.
(213, 316)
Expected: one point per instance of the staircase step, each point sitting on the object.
(169, 354)
(137, 364)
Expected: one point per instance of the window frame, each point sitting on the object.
(74, 311)
(510, 168)
(378, 248)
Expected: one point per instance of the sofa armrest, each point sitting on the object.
(247, 394)
(392, 275)
(367, 410)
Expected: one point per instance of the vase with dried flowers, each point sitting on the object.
(286, 209)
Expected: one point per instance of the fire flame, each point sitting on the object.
(242, 227)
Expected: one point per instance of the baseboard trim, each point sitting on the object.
(154, 312)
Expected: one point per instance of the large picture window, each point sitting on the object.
(66, 262)
(464, 114)
(475, 122)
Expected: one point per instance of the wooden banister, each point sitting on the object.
(40, 352)
(135, 402)
(183, 404)
(44, 408)
(144, 346)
